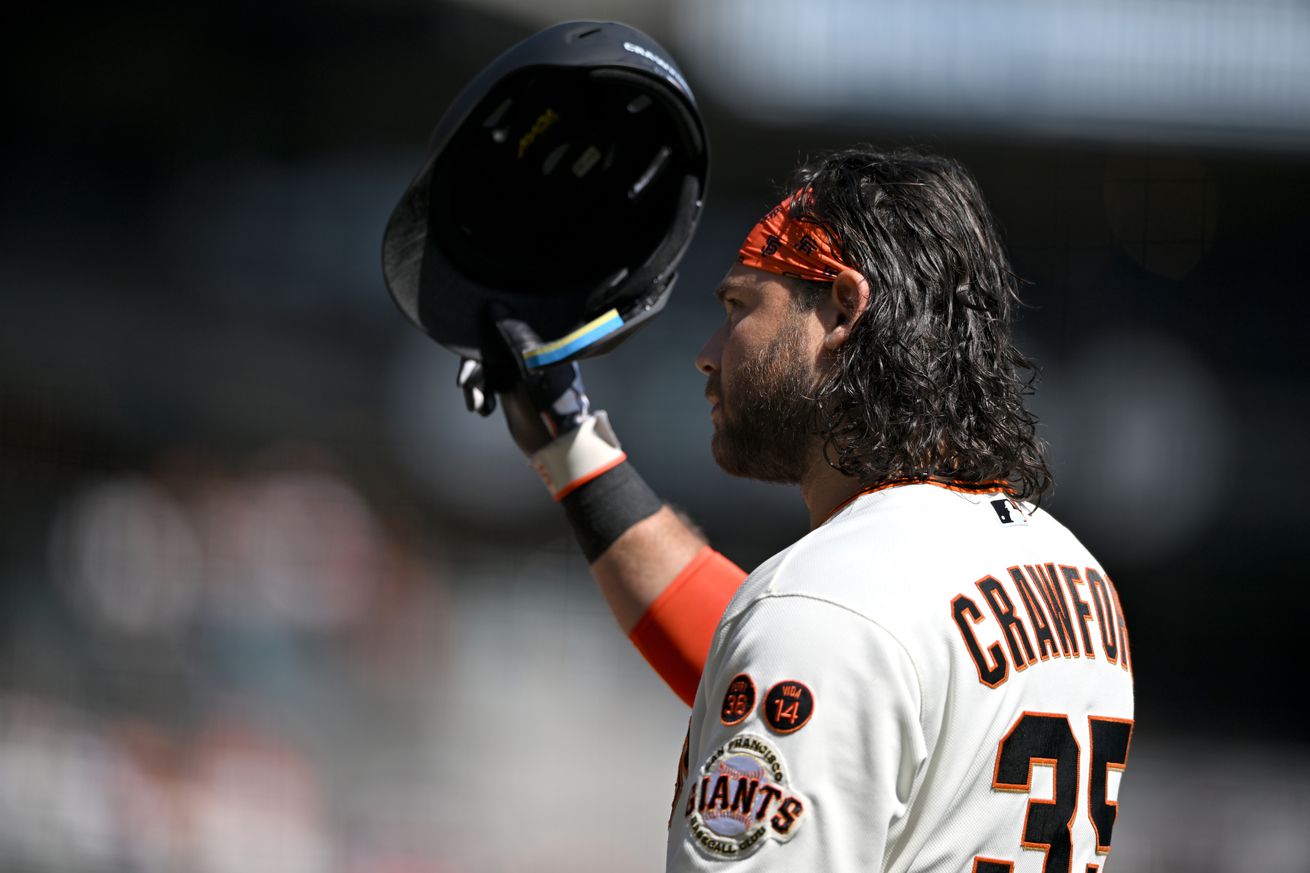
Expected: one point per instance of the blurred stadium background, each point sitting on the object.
(273, 601)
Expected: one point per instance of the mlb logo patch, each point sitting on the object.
(1008, 511)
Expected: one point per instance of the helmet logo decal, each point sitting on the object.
(658, 61)
(543, 123)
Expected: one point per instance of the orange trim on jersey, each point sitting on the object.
(974, 647)
(949, 485)
(596, 473)
(980, 862)
(674, 633)
(1054, 764)
(1125, 650)
(1119, 766)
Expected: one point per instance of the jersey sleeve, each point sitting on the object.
(805, 744)
(675, 632)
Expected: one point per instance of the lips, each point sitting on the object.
(712, 395)
(712, 391)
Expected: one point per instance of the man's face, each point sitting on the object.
(762, 367)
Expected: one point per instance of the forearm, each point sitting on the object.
(666, 587)
(636, 545)
(638, 567)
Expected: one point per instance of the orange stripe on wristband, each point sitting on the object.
(675, 632)
(599, 471)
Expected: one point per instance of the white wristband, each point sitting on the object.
(577, 457)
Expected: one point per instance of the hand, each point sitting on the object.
(540, 403)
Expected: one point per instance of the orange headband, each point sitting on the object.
(783, 245)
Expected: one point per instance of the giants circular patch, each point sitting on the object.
(741, 798)
(788, 706)
(738, 701)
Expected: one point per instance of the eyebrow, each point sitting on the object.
(727, 286)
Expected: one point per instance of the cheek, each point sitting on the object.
(731, 357)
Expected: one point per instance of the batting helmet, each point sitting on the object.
(561, 188)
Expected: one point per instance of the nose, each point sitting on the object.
(707, 359)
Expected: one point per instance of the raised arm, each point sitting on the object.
(666, 587)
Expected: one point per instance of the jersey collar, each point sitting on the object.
(948, 484)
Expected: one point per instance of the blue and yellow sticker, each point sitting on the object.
(557, 350)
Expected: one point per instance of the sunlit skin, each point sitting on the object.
(758, 310)
(640, 564)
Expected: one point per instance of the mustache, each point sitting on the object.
(712, 387)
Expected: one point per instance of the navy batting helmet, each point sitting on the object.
(561, 188)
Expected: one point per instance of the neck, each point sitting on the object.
(824, 489)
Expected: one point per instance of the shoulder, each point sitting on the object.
(882, 548)
(818, 645)
(817, 709)
(894, 557)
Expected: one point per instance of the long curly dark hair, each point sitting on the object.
(929, 386)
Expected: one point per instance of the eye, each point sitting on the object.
(734, 304)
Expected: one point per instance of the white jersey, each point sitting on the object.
(932, 680)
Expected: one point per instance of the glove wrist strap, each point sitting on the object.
(575, 458)
(604, 508)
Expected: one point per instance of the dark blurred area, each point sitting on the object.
(273, 600)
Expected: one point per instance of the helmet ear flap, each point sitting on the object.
(562, 186)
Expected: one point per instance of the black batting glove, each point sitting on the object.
(540, 403)
(548, 412)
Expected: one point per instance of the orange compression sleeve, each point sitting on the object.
(675, 632)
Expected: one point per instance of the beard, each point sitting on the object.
(767, 423)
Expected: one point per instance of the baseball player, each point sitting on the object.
(938, 676)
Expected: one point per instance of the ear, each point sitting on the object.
(846, 304)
